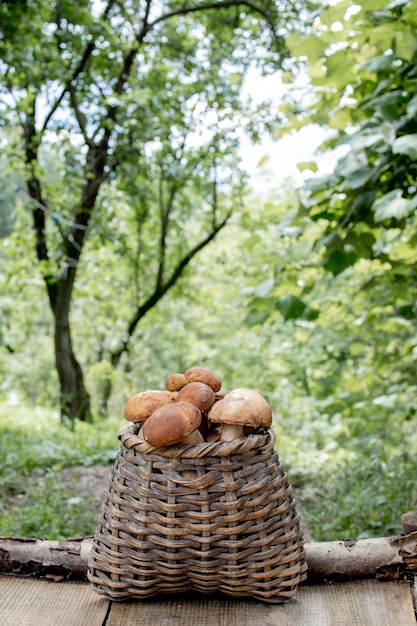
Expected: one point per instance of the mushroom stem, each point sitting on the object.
(231, 431)
(214, 433)
(194, 437)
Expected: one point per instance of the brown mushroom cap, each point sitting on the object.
(203, 375)
(175, 382)
(171, 423)
(241, 406)
(140, 406)
(199, 394)
(220, 394)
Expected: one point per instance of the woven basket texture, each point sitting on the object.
(209, 518)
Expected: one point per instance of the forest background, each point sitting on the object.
(133, 246)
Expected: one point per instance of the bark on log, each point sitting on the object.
(55, 560)
(385, 558)
(409, 522)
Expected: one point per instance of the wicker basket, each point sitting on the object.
(210, 517)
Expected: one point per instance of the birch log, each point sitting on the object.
(56, 560)
(385, 558)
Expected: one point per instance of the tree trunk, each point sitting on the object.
(74, 398)
(104, 398)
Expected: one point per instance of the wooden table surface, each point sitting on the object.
(34, 602)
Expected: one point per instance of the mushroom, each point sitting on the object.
(176, 422)
(140, 406)
(199, 394)
(214, 433)
(203, 375)
(240, 407)
(175, 382)
(219, 395)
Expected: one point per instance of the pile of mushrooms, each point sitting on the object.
(193, 409)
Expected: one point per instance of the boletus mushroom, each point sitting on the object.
(240, 407)
(175, 381)
(199, 374)
(176, 422)
(199, 394)
(140, 406)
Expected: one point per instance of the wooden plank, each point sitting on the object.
(32, 602)
(355, 603)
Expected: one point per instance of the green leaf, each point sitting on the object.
(362, 242)
(307, 165)
(412, 107)
(256, 318)
(332, 14)
(358, 178)
(290, 307)
(340, 259)
(340, 119)
(407, 311)
(382, 62)
(311, 47)
(351, 162)
(405, 44)
(406, 145)
(263, 160)
(339, 69)
(365, 138)
(264, 288)
(391, 205)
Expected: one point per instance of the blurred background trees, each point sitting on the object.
(125, 120)
(302, 290)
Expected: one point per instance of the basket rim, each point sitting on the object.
(129, 438)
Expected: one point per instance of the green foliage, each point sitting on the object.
(130, 116)
(359, 222)
(339, 384)
(364, 499)
(34, 449)
(311, 305)
(36, 439)
(351, 365)
(370, 195)
(50, 513)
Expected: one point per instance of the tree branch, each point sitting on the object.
(165, 211)
(79, 114)
(212, 5)
(77, 71)
(97, 157)
(178, 270)
(158, 293)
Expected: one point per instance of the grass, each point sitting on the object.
(34, 450)
(50, 511)
(34, 438)
(362, 499)
(350, 491)
(353, 476)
